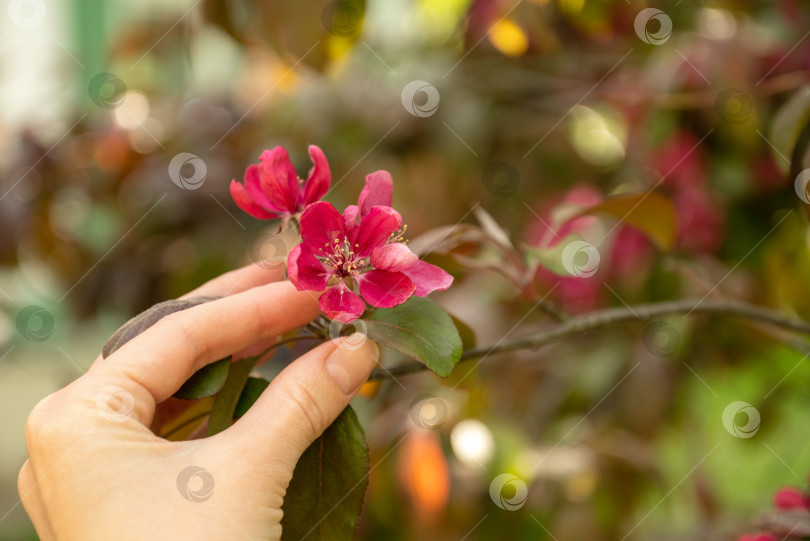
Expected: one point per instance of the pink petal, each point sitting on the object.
(321, 224)
(393, 257)
(319, 177)
(788, 498)
(350, 216)
(378, 191)
(243, 200)
(279, 180)
(252, 182)
(428, 278)
(385, 289)
(305, 270)
(341, 304)
(374, 230)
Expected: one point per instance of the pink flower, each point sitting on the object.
(272, 188)
(361, 252)
(575, 294)
(788, 498)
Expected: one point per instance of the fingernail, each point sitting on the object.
(349, 368)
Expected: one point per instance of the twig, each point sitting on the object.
(553, 311)
(616, 316)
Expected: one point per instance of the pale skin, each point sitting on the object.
(96, 476)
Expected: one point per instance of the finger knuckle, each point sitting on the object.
(44, 426)
(307, 406)
(178, 324)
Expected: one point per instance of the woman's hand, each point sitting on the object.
(97, 472)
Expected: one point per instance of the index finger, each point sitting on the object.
(153, 365)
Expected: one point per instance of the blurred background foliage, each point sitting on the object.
(545, 108)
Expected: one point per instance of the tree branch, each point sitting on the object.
(615, 316)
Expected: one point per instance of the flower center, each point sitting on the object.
(341, 259)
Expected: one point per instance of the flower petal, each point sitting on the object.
(319, 177)
(374, 230)
(279, 180)
(321, 224)
(252, 182)
(305, 270)
(378, 191)
(341, 304)
(243, 200)
(350, 216)
(428, 278)
(385, 289)
(393, 257)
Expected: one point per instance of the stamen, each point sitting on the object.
(399, 235)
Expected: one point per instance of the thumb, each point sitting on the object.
(305, 398)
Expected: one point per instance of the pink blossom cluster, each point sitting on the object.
(355, 257)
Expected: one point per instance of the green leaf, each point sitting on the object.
(225, 402)
(325, 496)
(649, 212)
(550, 258)
(254, 387)
(465, 332)
(461, 378)
(206, 381)
(421, 329)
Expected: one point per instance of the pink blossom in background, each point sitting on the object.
(575, 294)
(701, 217)
(627, 253)
(788, 498)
